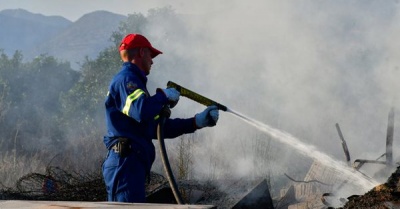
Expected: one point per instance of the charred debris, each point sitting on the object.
(322, 186)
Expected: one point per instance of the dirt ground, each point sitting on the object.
(384, 196)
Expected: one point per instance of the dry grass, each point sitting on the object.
(12, 166)
(84, 155)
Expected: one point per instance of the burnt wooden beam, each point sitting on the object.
(361, 162)
(344, 145)
(389, 138)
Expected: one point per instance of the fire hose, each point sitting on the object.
(164, 115)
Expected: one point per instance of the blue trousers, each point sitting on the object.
(125, 178)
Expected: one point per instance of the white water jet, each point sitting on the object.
(354, 177)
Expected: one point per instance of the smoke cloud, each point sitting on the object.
(298, 66)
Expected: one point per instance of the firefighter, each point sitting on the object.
(132, 118)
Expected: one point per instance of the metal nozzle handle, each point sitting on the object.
(195, 96)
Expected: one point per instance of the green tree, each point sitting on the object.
(135, 23)
(83, 105)
(32, 95)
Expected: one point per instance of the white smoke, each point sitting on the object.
(299, 66)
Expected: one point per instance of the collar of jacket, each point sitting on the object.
(134, 68)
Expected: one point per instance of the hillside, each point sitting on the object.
(55, 21)
(36, 34)
(86, 37)
(22, 30)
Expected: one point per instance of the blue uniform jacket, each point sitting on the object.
(132, 113)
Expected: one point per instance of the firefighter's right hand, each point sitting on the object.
(208, 117)
(172, 95)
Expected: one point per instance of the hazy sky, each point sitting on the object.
(74, 9)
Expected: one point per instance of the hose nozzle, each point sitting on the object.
(195, 96)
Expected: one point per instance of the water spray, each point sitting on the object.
(353, 176)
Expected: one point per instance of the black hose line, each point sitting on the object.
(164, 115)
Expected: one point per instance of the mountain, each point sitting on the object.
(86, 37)
(56, 21)
(36, 34)
(22, 30)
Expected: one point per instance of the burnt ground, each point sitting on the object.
(384, 196)
(58, 184)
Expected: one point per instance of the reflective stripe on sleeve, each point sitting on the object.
(132, 97)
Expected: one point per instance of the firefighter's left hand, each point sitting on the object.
(208, 117)
(172, 95)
